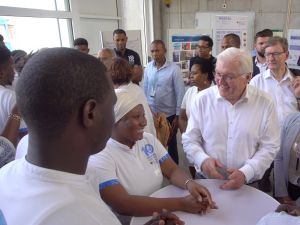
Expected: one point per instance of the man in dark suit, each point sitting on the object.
(259, 61)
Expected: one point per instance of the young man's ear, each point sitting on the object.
(88, 114)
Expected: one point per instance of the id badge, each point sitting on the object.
(152, 93)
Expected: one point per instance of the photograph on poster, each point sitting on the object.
(186, 55)
(294, 49)
(186, 46)
(176, 56)
(185, 65)
(194, 45)
(176, 46)
(183, 46)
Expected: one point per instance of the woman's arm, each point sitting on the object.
(181, 179)
(120, 201)
(182, 120)
(11, 130)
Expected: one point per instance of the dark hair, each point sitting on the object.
(234, 37)
(121, 71)
(208, 39)
(56, 83)
(80, 41)
(1, 38)
(119, 31)
(18, 54)
(264, 33)
(5, 54)
(206, 66)
(159, 42)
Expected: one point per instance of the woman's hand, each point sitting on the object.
(192, 205)
(201, 194)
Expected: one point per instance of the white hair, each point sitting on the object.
(111, 51)
(237, 55)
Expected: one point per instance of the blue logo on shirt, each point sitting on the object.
(148, 150)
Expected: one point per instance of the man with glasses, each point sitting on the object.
(204, 48)
(279, 82)
(259, 61)
(232, 132)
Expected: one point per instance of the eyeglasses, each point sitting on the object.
(202, 47)
(226, 78)
(274, 54)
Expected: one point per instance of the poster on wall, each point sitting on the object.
(225, 24)
(294, 49)
(182, 47)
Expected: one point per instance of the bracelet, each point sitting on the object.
(15, 117)
(186, 182)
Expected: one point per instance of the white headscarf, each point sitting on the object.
(125, 103)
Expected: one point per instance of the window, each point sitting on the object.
(62, 5)
(37, 24)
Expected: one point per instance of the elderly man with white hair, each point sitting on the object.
(233, 130)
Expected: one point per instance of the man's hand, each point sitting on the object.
(164, 218)
(201, 193)
(289, 209)
(236, 179)
(296, 86)
(286, 200)
(209, 167)
(174, 124)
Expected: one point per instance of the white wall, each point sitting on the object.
(268, 13)
(94, 16)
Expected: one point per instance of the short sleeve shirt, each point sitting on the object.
(131, 56)
(136, 169)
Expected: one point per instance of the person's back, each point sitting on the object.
(49, 185)
(33, 195)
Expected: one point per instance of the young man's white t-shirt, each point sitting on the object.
(34, 195)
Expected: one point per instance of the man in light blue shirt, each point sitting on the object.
(164, 89)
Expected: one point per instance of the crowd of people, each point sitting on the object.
(81, 138)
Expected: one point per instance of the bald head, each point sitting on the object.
(230, 40)
(106, 56)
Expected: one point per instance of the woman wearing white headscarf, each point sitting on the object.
(133, 164)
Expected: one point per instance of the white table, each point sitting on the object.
(244, 206)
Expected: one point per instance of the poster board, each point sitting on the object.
(134, 41)
(182, 45)
(222, 23)
(294, 49)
